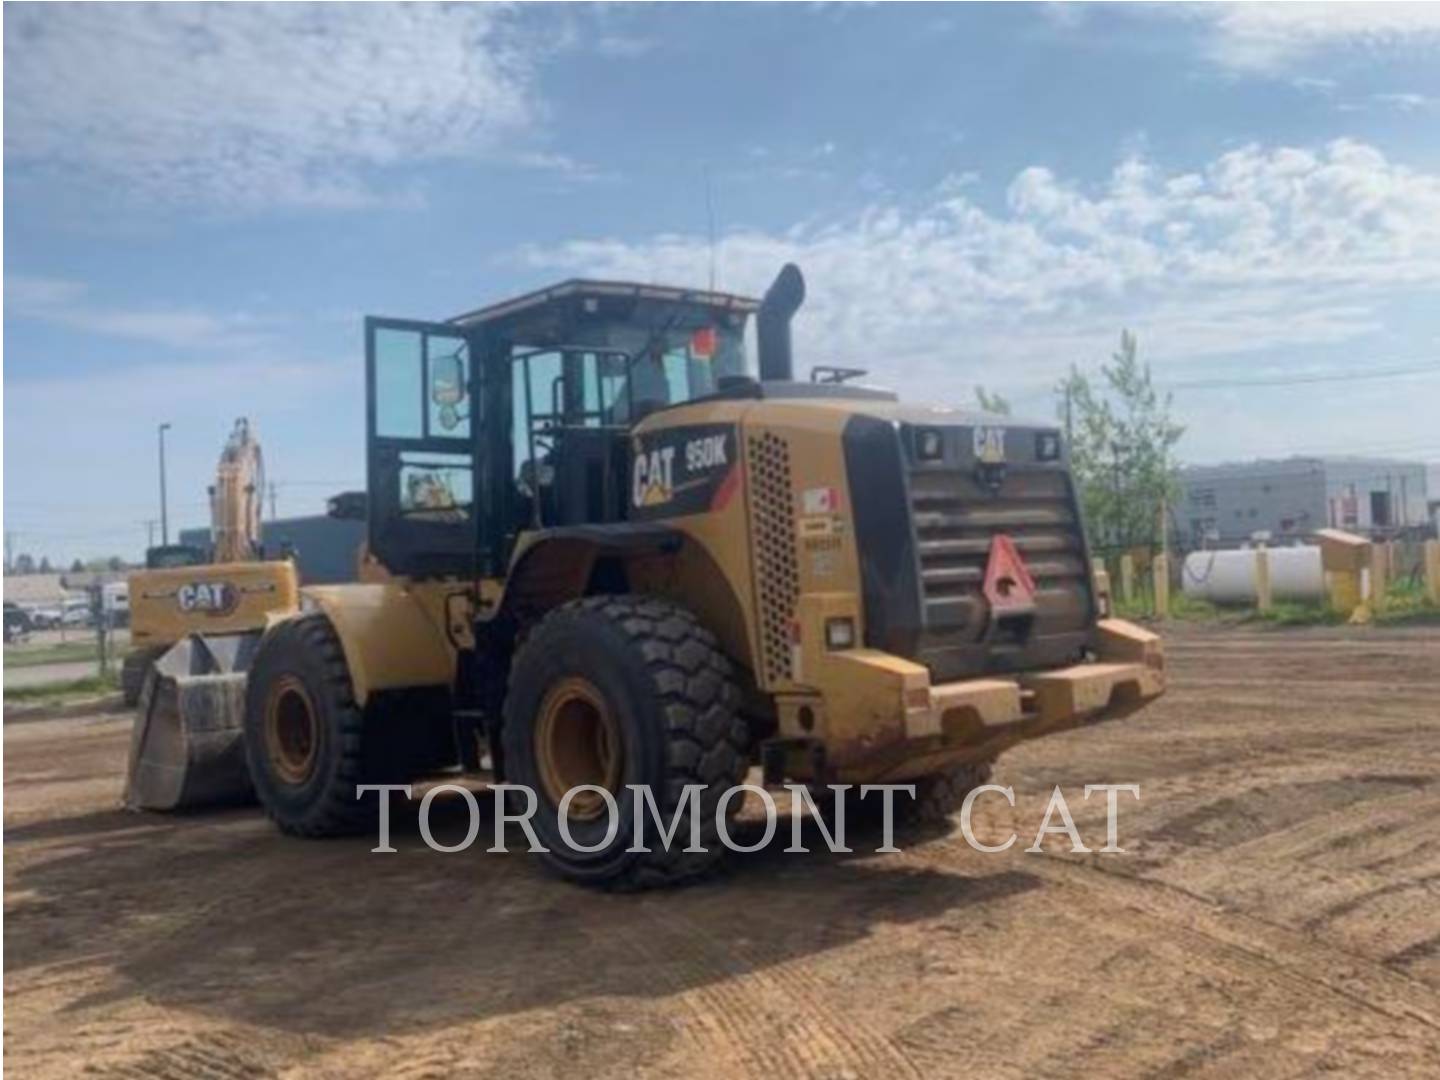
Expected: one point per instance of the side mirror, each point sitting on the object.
(447, 380)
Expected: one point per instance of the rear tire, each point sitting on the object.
(304, 734)
(620, 690)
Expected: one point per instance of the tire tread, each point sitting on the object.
(338, 812)
(706, 740)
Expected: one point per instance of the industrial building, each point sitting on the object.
(326, 549)
(1229, 504)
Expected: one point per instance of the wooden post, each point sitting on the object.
(1263, 598)
(1432, 570)
(1160, 565)
(1127, 577)
(1379, 578)
(1102, 587)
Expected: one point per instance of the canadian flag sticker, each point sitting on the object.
(820, 500)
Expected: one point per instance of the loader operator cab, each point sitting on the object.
(517, 416)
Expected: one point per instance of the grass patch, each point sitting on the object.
(1406, 602)
(63, 653)
(1135, 608)
(1191, 609)
(1293, 613)
(1183, 607)
(56, 692)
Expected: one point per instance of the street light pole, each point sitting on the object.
(164, 518)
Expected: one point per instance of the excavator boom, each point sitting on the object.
(236, 497)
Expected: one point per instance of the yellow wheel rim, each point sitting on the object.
(292, 731)
(577, 741)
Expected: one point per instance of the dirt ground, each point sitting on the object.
(1277, 912)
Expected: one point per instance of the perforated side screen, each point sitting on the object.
(776, 564)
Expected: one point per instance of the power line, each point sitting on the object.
(1279, 380)
(1297, 380)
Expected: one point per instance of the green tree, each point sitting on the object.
(1122, 442)
(77, 567)
(992, 402)
(45, 567)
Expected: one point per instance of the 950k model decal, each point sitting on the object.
(680, 470)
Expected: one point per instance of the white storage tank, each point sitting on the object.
(1228, 577)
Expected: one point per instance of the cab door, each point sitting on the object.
(422, 448)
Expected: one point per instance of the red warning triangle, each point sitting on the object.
(1008, 584)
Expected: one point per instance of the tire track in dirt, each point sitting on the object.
(733, 1007)
(724, 1021)
(1269, 949)
(1271, 975)
(214, 1055)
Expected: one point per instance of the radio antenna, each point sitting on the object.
(710, 224)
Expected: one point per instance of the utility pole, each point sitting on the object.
(273, 514)
(164, 516)
(1118, 516)
(1069, 414)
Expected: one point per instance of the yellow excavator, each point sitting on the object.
(605, 552)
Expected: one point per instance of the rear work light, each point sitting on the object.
(840, 633)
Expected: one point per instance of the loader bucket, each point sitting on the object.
(188, 745)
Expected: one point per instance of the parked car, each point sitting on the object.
(77, 615)
(17, 622)
(46, 617)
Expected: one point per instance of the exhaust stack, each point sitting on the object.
(772, 324)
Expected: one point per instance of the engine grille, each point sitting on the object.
(955, 516)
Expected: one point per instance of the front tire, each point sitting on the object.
(304, 734)
(615, 691)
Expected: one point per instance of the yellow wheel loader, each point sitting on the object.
(609, 554)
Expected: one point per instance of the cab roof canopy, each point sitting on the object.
(610, 297)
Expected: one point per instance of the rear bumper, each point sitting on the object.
(1129, 672)
(885, 721)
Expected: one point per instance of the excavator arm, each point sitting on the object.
(237, 497)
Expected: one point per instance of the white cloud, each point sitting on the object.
(1405, 102)
(259, 105)
(67, 303)
(624, 46)
(1271, 36)
(1263, 247)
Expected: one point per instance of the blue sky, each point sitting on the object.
(202, 203)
